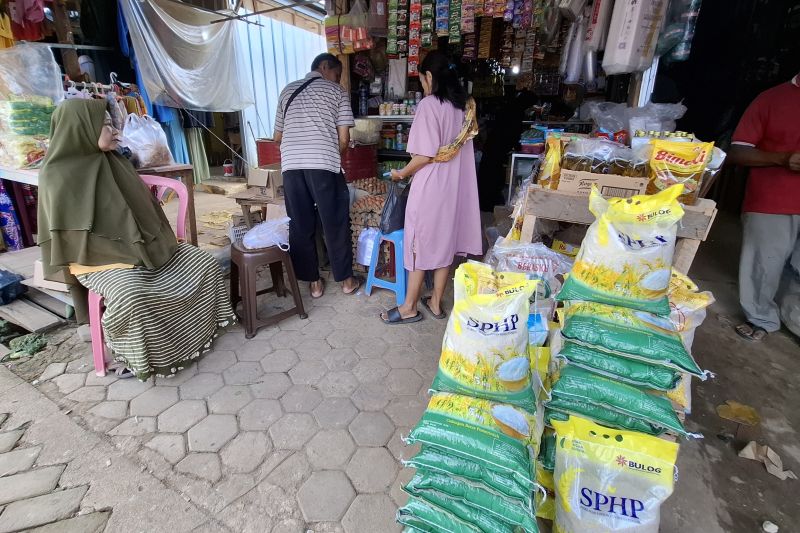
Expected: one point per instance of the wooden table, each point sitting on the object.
(253, 198)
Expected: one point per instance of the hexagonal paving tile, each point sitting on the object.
(95, 393)
(371, 396)
(397, 493)
(229, 399)
(293, 323)
(181, 416)
(217, 362)
(271, 386)
(182, 376)
(171, 447)
(344, 338)
(254, 350)
(246, 451)
(401, 357)
(301, 399)
(201, 465)
(325, 497)
(230, 340)
(259, 415)
(292, 431)
(243, 373)
(212, 433)
(371, 370)
(317, 329)
(286, 340)
(341, 359)
(335, 413)
(307, 372)
(338, 384)
(372, 470)
(371, 347)
(114, 409)
(406, 410)
(330, 449)
(154, 401)
(312, 349)
(371, 429)
(404, 382)
(371, 513)
(124, 389)
(201, 386)
(279, 361)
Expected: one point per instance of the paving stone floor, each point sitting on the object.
(296, 429)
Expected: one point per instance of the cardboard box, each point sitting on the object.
(275, 210)
(268, 178)
(579, 182)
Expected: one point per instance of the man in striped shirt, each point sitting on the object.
(313, 128)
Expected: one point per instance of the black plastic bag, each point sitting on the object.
(10, 287)
(393, 215)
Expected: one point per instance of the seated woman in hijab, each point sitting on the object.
(98, 221)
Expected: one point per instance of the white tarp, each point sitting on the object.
(185, 60)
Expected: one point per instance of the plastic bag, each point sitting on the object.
(273, 232)
(485, 346)
(30, 69)
(610, 480)
(366, 243)
(535, 260)
(687, 307)
(147, 141)
(550, 169)
(679, 163)
(393, 215)
(626, 256)
(495, 436)
(611, 403)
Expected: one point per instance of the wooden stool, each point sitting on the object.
(244, 265)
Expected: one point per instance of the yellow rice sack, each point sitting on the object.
(626, 256)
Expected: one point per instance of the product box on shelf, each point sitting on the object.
(580, 182)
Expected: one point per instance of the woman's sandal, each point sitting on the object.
(121, 371)
(425, 303)
(393, 316)
(751, 332)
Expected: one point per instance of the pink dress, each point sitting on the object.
(442, 214)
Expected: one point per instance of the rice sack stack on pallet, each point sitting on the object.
(480, 433)
(621, 361)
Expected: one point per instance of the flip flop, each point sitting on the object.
(441, 316)
(359, 281)
(121, 371)
(751, 332)
(393, 316)
(322, 292)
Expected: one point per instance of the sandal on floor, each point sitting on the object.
(393, 316)
(442, 315)
(121, 371)
(321, 292)
(359, 281)
(751, 332)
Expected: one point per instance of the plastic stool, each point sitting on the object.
(400, 276)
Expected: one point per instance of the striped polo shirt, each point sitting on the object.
(310, 140)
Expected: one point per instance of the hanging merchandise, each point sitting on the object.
(391, 38)
(479, 10)
(442, 18)
(576, 52)
(454, 22)
(467, 16)
(675, 42)
(427, 24)
(571, 9)
(597, 30)
(414, 37)
(507, 46)
(376, 20)
(632, 35)
(9, 222)
(470, 49)
(485, 36)
(402, 28)
(500, 8)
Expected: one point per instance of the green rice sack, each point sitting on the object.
(434, 460)
(451, 508)
(577, 387)
(494, 435)
(422, 516)
(630, 371)
(560, 411)
(628, 333)
(547, 453)
(473, 495)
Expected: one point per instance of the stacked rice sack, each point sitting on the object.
(622, 360)
(24, 129)
(480, 433)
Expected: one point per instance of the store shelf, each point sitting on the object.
(393, 154)
(394, 118)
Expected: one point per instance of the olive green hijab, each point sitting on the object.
(94, 210)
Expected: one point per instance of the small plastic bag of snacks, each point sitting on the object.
(681, 163)
(610, 480)
(626, 256)
(535, 260)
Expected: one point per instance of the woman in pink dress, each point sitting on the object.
(442, 215)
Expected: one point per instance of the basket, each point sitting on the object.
(237, 226)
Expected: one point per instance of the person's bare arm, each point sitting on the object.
(278, 137)
(344, 138)
(413, 166)
(750, 156)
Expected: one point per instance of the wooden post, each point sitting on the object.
(341, 7)
(64, 32)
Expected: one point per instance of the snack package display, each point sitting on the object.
(535, 260)
(628, 333)
(496, 436)
(483, 500)
(583, 393)
(626, 256)
(682, 163)
(610, 480)
(485, 346)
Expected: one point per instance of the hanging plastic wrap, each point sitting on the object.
(185, 60)
(576, 52)
(675, 42)
(632, 36)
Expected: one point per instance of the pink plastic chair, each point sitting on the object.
(96, 301)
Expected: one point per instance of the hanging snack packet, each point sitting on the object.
(628, 333)
(481, 499)
(485, 346)
(626, 256)
(611, 403)
(439, 513)
(610, 480)
(496, 436)
(435, 460)
(680, 163)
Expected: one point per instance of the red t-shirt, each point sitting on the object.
(772, 124)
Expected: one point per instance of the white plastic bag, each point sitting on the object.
(366, 243)
(147, 141)
(273, 232)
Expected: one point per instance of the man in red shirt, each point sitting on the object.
(768, 140)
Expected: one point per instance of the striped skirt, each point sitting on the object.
(157, 321)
